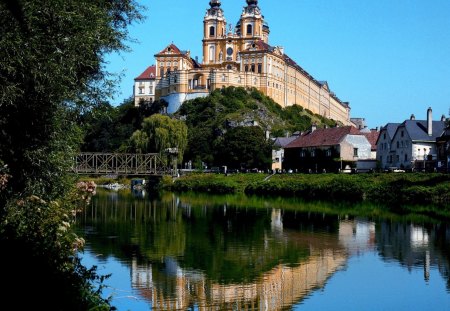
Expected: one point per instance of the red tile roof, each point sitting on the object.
(149, 73)
(372, 137)
(173, 48)
(323, 137)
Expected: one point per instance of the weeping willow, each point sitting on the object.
(158, 134)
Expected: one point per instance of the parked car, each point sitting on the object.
(394, 169)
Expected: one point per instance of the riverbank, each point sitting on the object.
(424, 193)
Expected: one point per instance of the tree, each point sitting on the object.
(245, 147)
(52, 67)
(159, 133)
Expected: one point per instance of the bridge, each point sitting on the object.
(97, 163)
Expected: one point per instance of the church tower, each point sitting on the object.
(214, 29)
(251, 26)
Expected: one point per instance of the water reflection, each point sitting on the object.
(225, 254)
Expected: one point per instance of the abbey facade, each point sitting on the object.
(240, 56)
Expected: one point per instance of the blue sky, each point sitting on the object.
(388, 58)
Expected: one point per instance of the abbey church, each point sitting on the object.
(239, 56)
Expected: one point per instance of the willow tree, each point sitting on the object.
(52, 66)
(160, 134)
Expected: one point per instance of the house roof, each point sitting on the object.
(390, 128)
(323, 137)
(372, 137)
(171, 49)
(149, 73)
(417, 129)
(283, 141)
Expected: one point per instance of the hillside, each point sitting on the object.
(230, 127)
(231, 107)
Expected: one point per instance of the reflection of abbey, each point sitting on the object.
(237, 56)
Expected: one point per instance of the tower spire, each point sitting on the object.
(215, 4)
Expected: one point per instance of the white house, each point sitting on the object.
(144, 86)
(411, 144)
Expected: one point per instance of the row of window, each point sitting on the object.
(328, 153)
(212, 30)
(151, 90)
(400, 144)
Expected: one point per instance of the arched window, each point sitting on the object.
(249, 29)
(212, 52)
(212, 31)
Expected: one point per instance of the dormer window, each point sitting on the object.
(212, 31)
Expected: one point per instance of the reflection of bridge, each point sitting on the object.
(97, 163)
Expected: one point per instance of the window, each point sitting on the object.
(398, 144)
(141, 90)
(259, 68)
(402, 133)
(328, 153)
(246, 68)
(406, 157)
(249, 29)
(212, 52)
(253, 67)
(355, 152)
(151, 90)
(212, 31)
(384, 136)
(313, 153)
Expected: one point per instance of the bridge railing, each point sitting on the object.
(119, 163)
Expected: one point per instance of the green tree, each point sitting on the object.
(160, 132)
(245, 147)
(51, 69)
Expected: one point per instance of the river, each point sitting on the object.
(206, 252)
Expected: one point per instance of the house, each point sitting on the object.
(279, 143)
(443, 150)
(411, 144)
(145, 86)
(327, 149)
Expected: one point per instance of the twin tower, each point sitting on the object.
(239, 56)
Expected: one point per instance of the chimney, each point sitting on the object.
(443, 118)
(413, 117)
(429, 122)
(313, 127)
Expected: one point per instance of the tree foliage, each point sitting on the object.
(52, 67)
(158, 133)
(208, 118)
(245, 147)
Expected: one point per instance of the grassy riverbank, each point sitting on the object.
(398, 191)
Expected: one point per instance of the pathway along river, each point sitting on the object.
(204, 252)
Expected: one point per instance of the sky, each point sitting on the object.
(387, 58)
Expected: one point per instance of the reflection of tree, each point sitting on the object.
(233, 245)
(416, 245)
(124, 227)
(182, 251)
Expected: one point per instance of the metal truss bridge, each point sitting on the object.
(96, 163)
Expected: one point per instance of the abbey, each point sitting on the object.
(239, 56)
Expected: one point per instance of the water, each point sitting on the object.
(203, 252)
